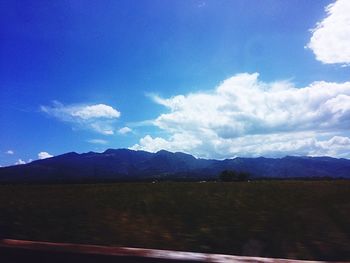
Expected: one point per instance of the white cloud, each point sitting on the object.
(179, 142)
(246, 117)
(98, 141)
(105, 128)
(124, 130)
(20, 161)
(98, 117)
(271, 145)
(95, 111)
(10, 152)
(330, 39)
(44, 155)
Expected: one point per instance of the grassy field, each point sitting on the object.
(289, 219)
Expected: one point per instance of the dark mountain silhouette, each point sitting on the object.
(129, 165)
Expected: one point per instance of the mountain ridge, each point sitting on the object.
(131, 165)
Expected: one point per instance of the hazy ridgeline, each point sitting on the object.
(289, 219)
(124, 165)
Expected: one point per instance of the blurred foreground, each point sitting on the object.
(284, 219)
(32, 251)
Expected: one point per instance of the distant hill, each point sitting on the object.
(129, 165)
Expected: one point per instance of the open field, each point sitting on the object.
(289, 219)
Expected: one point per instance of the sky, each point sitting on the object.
(216, 79)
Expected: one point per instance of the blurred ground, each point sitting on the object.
(285, 219)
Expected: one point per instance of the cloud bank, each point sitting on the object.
(330, 39)
(247, 117)
(99, 117)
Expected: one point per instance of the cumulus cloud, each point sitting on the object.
(272, 145)
(98, 117)
(10, 152)
(330, 39)
(44, 155)
(20, 161)
(247, 117)
(124, 130)
(179, 142)
(98, 141)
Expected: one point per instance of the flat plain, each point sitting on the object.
(286, 219)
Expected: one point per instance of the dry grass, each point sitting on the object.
(289, 219)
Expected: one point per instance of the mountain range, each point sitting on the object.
(129, 165)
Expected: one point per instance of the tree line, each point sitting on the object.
(233, 176)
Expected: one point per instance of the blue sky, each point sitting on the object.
(179, 75)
